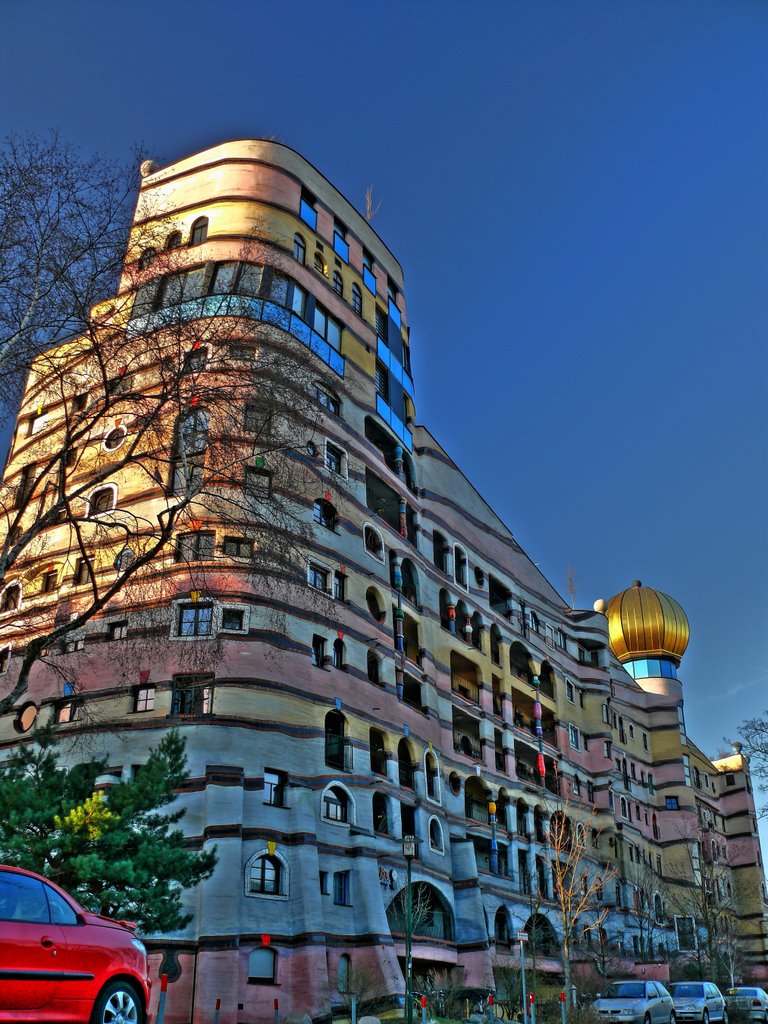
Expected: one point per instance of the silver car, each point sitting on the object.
(753, 1000)
(698, 1000)
(635, 1002)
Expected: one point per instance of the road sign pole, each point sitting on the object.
(522, 967)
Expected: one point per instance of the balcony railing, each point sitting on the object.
(476, 810)
(466, 688)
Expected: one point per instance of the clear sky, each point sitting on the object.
(577, 190)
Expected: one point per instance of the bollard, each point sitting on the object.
(562, 1007)
(532, 1001)
(161, 1004)
(216, 1012)
(354, 1008)
(490, 1008)
(423, 1010)
(277, 1011)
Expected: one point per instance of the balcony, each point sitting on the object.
(468, 745)
(476, 811)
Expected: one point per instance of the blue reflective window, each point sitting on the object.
(308, 214)
(369, 280)
(340, 247)
(394, 312)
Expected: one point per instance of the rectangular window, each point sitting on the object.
(324, 889)
(573, 737)
(257, 418)
(381, 381)
(192, 695)
(144, 698)
(591, 792)
(117, 630)
(650, 783)
(195, 620)
(339, 585)
(195, 360)
(335, 459)
(234, 619)
(258, 482)
(318, 651)
(327, 328)
(5, 660)
(607, 748)
(274, 788)
(340, 246)
(307, 210)
(237, 547)
(671, 803)
(687, 769)
(299, 302)
(49, 582)
(38, 423)
(79, 402)
(70, 711)
(369, 278)
(317, 577)
(242, 353)
(328, 401)
(569, 692)
(730, 779)
(645, 741)
(26, 481)
(341, 888)
(605, 713)
(193, 547)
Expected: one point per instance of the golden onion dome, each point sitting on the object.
(644, 623)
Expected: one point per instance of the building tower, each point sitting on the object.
(297, 576)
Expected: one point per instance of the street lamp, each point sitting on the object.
(409, 852)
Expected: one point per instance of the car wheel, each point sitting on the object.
(647, 1019)
(118, 1003)
(705, 1016)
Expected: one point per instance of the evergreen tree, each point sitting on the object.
(118, 853)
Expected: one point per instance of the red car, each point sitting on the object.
(59, 962)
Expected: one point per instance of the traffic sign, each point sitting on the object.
(522, 936)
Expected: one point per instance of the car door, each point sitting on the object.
(30, 946)
(663, 1003)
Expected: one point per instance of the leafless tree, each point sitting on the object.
(175, 408)
(646, 909)
(578, 881)
(754, 732)
(371, 206)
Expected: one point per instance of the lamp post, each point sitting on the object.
(409, 852)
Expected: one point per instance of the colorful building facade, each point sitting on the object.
(421, 678)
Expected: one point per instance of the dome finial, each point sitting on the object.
(645, 623)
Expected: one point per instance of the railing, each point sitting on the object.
(468, 745)
(466, 688)
(476, 810)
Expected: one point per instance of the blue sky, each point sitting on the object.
(577, 192)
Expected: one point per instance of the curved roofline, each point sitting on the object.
(192, 162)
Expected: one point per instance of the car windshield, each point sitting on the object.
(682, 991)
(625, 990)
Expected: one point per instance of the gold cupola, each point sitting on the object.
(644, 623)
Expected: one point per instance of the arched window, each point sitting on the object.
(325, 514)
(522, 818)
(199, 231)
(192, 431)
(410, 589)
(174, 240)
(337, 805)
(357, 300)
(501, 927)
(445, 609)
(433, 776)
(261, 966)
(338, 654)
(405, 764)
(460, 566)
(624, 807)
(373, 666)
(377, 744)
(380, 814)
(266, 876)
(374, 605)
(435, 835)
(147, 258)
(337, 751)
(319, 263)
(342, 973)
(477, 631)
(440, 551)
(338, 283)
(102, 500)
(299, 249)
(547, 679)
(11, 598)
(520, 663)
(374, 544)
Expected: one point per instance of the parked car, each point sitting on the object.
(635, 1002)
(60, 963)
(698, 1000)
(755, 1000)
